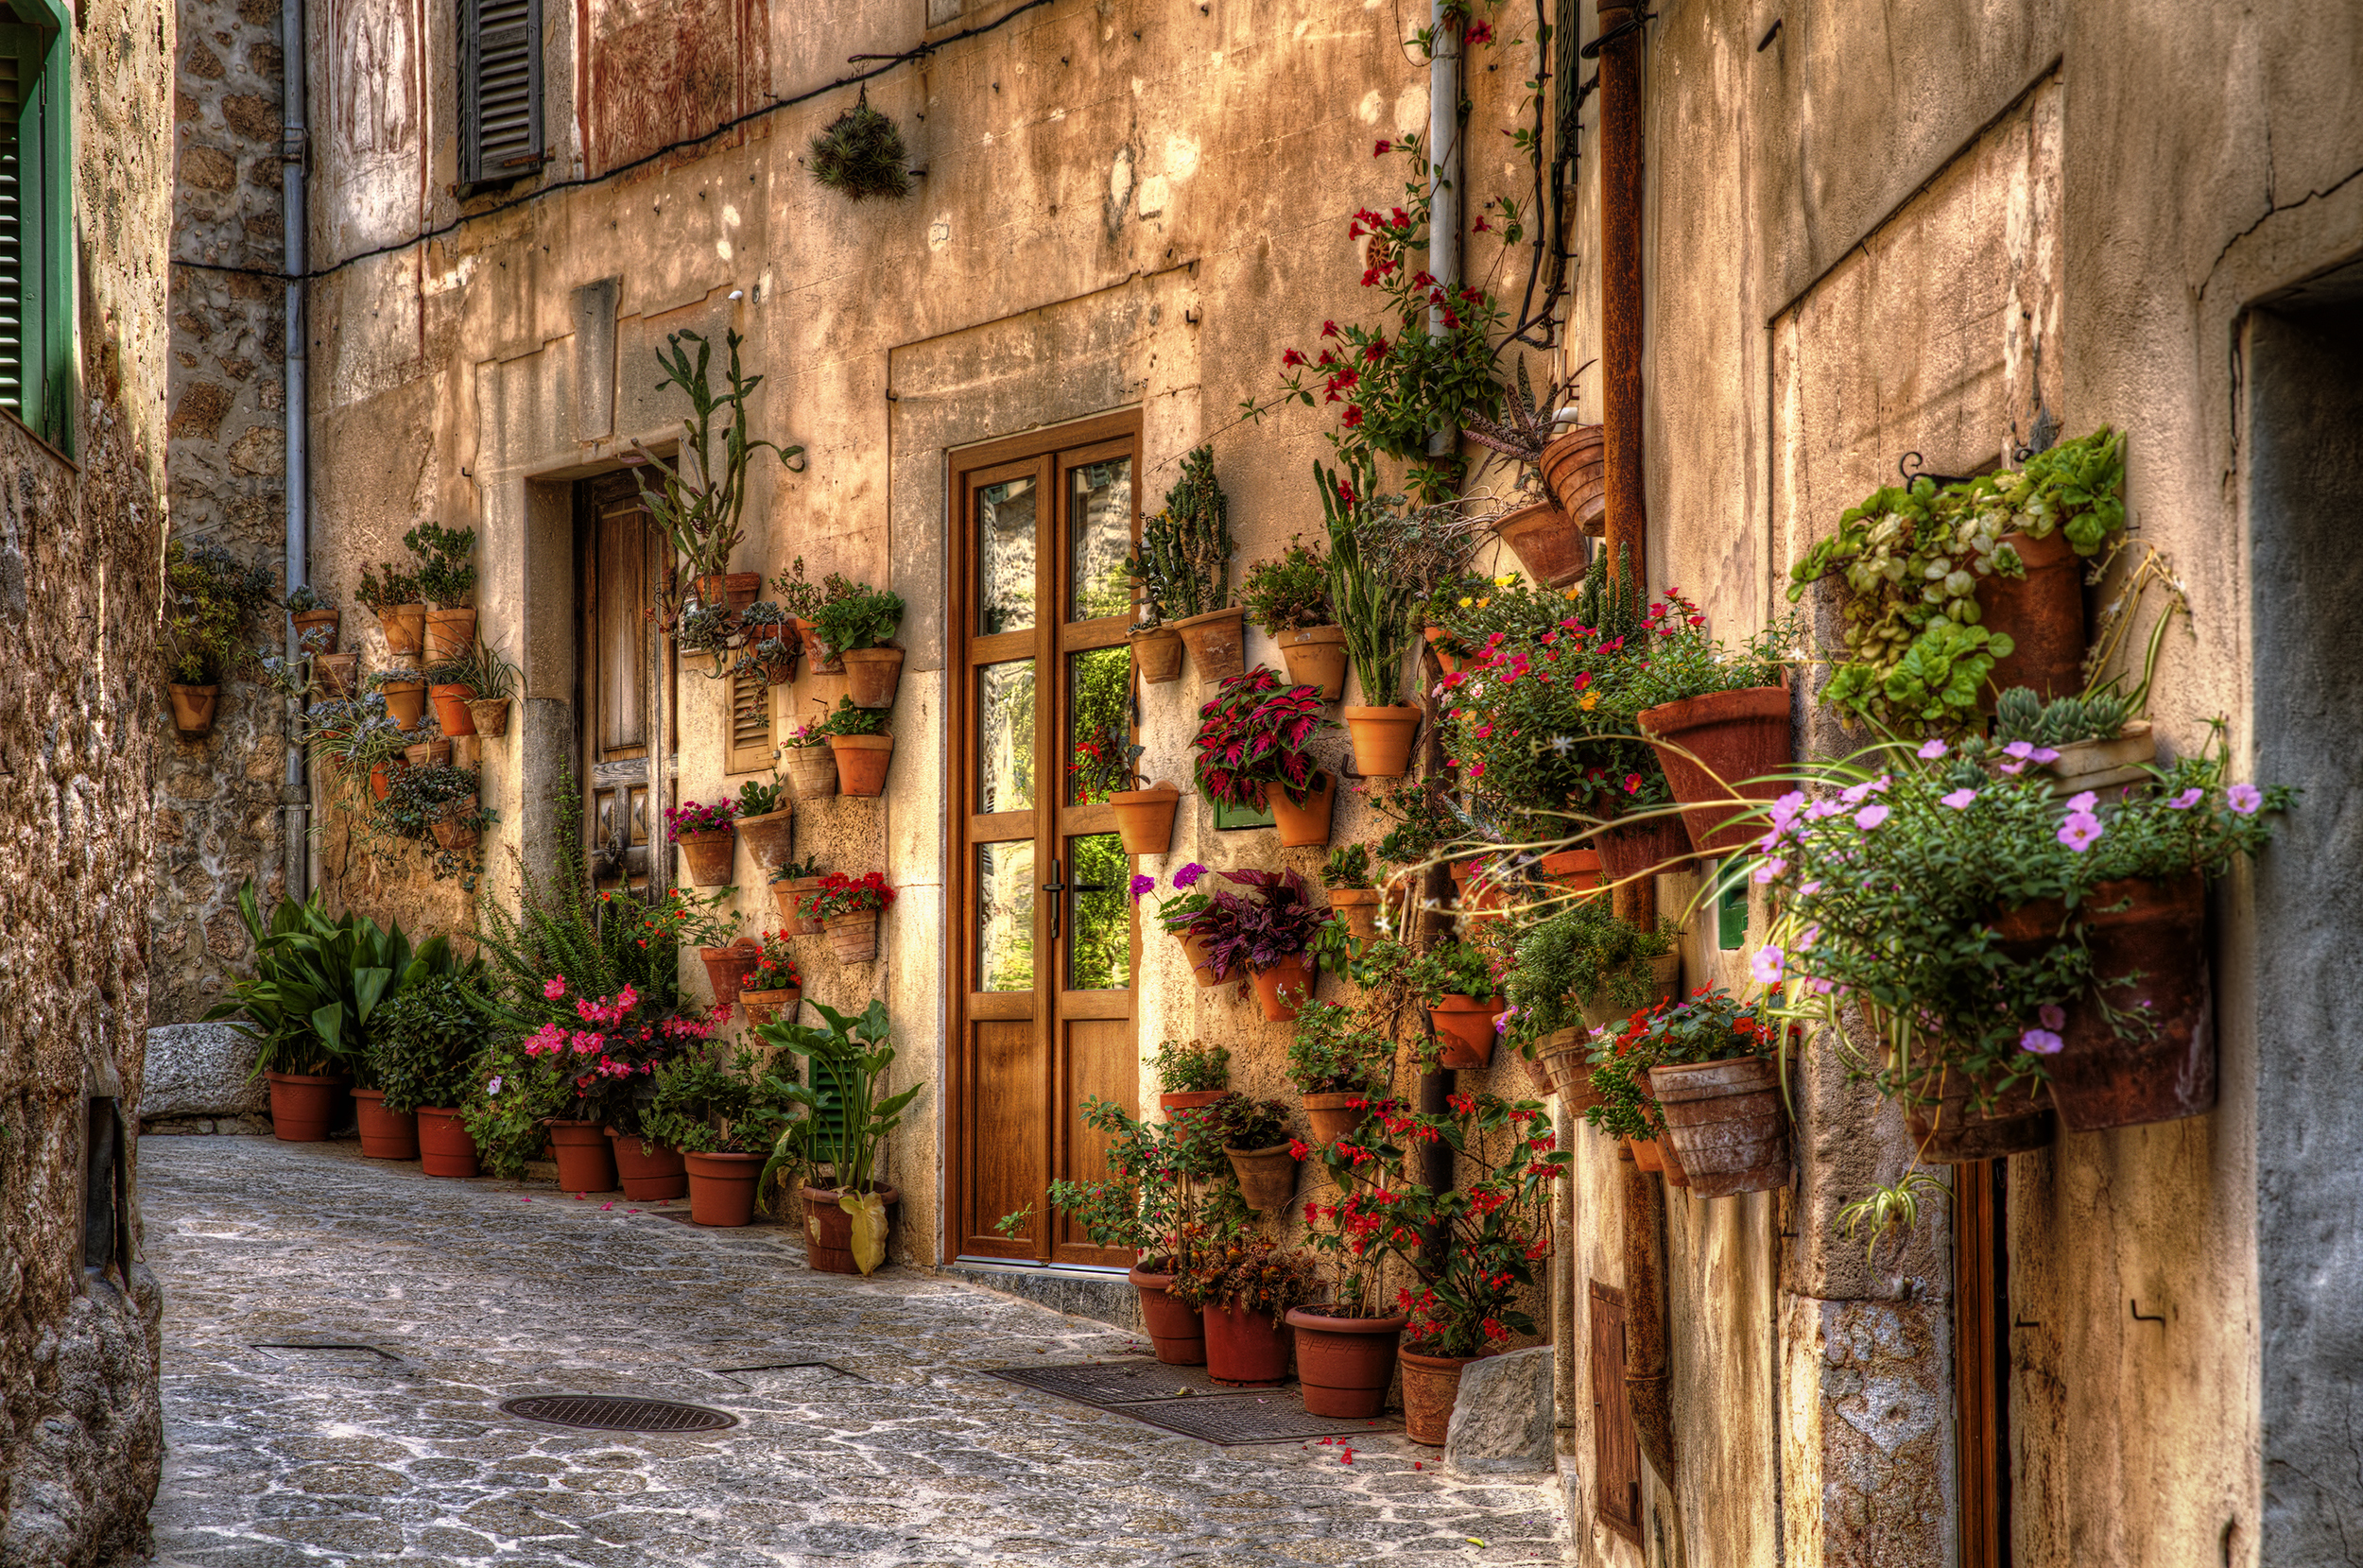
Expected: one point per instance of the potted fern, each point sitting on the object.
(1183, 571)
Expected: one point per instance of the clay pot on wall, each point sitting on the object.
(1358, 908)
(303, 1105)
(1157, 654)
(405, 626)
(450, 633)
(790, 897)
(1573, 871)
(873, 675)
(192, 709)
(1727, 1123)
(586, 1158)
(1464, 1025)
(335, 673)
(1316, 656)
(385, 1134)
(1175, 1328)
(853, 938)
(1145, 818)
(1566, 1057)
(1548, 543)
(308, 621)
(1267, 1178)
(1738, 738)
(811, 771)
(1637, 848)
(723, 1187)
(1575, 469)
(862, 763)
(766, 836)
(1431, 1384)
(649, 1171)
(707, 856)
(766, 1007)
(823, 661)
(1957, 1130)
(445, 1146)
(2041, 613)
(1334, 1116)
(1217, 643)
(428, 753)
(1244, 1347)
(452, 702)
(1285, 987)
(1344, 1365)
(829, 1230)
(1202, 965)
(1436, 638)
(451, 834)
(1382, 738)
(1175, 1101)
(1303, 826)
(727, 967)
(491, 715)
(406, 701)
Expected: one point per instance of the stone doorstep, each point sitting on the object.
(175, 1126)
(1077, 1292)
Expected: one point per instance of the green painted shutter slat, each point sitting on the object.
(12, 221)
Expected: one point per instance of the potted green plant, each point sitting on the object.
(769, 644)
(722, 1114)
(810, 762)
(1341, 1061)
(862, 749)
(2101, 744)
(449, 691)
(765, 816)
(436, 806)
(1244, 1287)
(405, 694)
(790, 881)
(708, 836)
(1548, 539)
(392, 592)
(1254, 1138)
(445, 578)
(210, 603)
(1251, 751)
(313, 617)
(1580, 968)
(1371, 590)
(492, 681)
(394, 1068)
(1717, 1090)
(1189, 1075)
(1181, 570)
(1718, 721)
(860, 155)
(424, 1044)
(844, 1131)
(803, 600)
(856, 629)
(1620, 1103)
(1347, 876)
(1287, 598)
(848, 909)
(1268, 933)
(1457, 982)
(774, 986)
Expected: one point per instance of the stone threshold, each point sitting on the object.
(1077, 1292)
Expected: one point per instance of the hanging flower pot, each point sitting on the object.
(193, 708)
(1538, 1076)
(811, 772)
(1440, 640)
(1244, 1348)
(1949, 1128)
(2041, 613)
(1145, 818)
(2083, 765)
(1217, 643)
(1431, 1384)
(768, 1007)
(405, 626)
(1718, 746)
(789, 896)
(1344, 1365)
(303, 1105)
(1478, 894)
(1303, 826)
(1358, 908)
(1316, 656)
(406, 701)
(829, 1230)
(1465, 1027)
(1567, 1057)
(491, 715)
(765, 837)
(1727, 1123)
(1173, 1102)
(727, 967)
(385, 1134)
(335, 673)
(382, 780)
(853, 938)
(1548, 543)
(1573, 871)
(1382, 738)
(1334, 1116)
(586, 1159)
(1666, 978)
(1575, 469)
(1267, 1178)
(1647, 1153)
(445, 1146)
(2149, 962)
(1670, 1162)
(708, 856)
(649, 1172)
(823, 662)
(451, 834)
(306, 621)
(721, 1187)
(862, 763)
(450, 707)
(450, 633)
(1202, 965)
(873, 675)
(1285, 987)
(428, 753)
(1174, 1327)
(1641, 846)
(1157, 654)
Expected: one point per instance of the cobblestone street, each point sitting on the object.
(897, 1451)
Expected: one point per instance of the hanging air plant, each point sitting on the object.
(861, 154)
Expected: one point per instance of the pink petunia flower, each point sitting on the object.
(2042, 1042)
(1958, 800)
(2243, 799)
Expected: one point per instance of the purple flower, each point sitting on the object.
(1186, 878)
(1765, 965)
(1143, 884)
(1931, 750)
(2014, 768)
(2042, 753)
(1810, 889)
(2042, 1042)
(1822, 988)
(1784, 809)
(1958, 800)
(1822, 808)
(2054, 1016)
(1770, 870)
(1870, 817)
(2084, 802)
(2022, 749)
(2188, 799)
(1853, 795)
(2080, 831)
(2243, 799)
(493, 1087)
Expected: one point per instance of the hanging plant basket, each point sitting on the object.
(873, 675)
(1547, 542)
(1575, 468)
(1713, 748)
(861, 155)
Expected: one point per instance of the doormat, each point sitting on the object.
(1186, 1399)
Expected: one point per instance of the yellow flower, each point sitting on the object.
(1571, 593)
(1590, 702)
(1504, 582)
(1464, 604)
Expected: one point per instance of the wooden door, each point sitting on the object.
(1981, 1359)
(1043, 682)
(621, 707)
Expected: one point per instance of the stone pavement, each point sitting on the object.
(897, 1451)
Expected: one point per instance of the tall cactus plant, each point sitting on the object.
(1182, 566)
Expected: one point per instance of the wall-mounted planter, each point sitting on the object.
(727, 967)
(309, 621)
(766, 836)
(736, 590)
(873, 675)
(1334, 1116)
(450, 707)
(862, 763)
(1566, 1056)
(335, 673)
(1439, 639)
(404, 628)
(823, 662)
(491, 714)
(1157, 654)
(1637, 848)
(1575, 469)
(1382, 738)
(1303, 826)
(1202, 966)
(192, 709)
(708, 856)
(853, 938)
(1726, 1121)
(1547, 542)
(1285, 987)
(1267, 1178)
(428, 753)
(455, 837)
(450, 633)
(1174, 1101)
(1666, 978)
(1464, 1026)
(1717, 746)
(1358, 908)
(791, 896)
(1572, 871)
(1145, 818)
(811, 771)
(768, 1007)
(2041, 613)
(406, 701)
(1316, 656)
(1217, 643)
(2105, 764)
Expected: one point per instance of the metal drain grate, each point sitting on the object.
(618, 1413)
(1112, 1383)
(1186, 1399)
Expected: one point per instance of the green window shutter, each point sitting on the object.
(16, 81)
(500, 90)
(35, 231)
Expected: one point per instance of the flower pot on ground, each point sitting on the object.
(1145, 818)
(1305, 826)
(766, 836)
(193, 708)
(1244, 1348)
(649, 1171)
(303, 1105)
(1176, 1329)
(404, 628)
(446, 1147)
(385, 1134)
(862, 763)
(789, 895)
(489, 716)
(2042, 614)
(1382, 738)
(1344, 1364)
(829, 1228)
(1718, 746)
(1216, 642)
(405, 700)
(811, 771)
(1464, 1026)
(586, 1157)
(1283, 986)
(873, 675)
(1359, 907)
(449, 633)
(1268, 1177)
(1727, 1123)
(727, 967)
(723, 1187)
(1430, 1386)
(1316, 656)
(1548, 542)
(1157, 654)
(1575, 468)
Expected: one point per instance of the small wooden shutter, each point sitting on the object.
(751, 723)
(1615, 1447)
(500, 90)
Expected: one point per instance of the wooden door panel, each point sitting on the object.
(618, 709)
(1616, 1446)
(1095, 1061)
(1007, 1169)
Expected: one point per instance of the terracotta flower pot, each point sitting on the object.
(769, 1007)
(1244, 1348)
(491, 714)
(1548, 543)
(452, 834)
(1727, 1122)
(1538, 1072)
(823, 662)
(1948, 1127)
(1359, 907)
(1267, 1178)
(450, 707)
(405, 626)
(1479, 893)
(428, 753)
(765, 837)
(336, 672)
(304, 1105)
(1464, 1024)
(862, 763)
(2041, 613)
(1430, 1386)
(1670, 1160)
(1440, 640)
(708, 856)
(193, 708)
(1316, 656)
(406, 701)
(1175, 1101)
(1738, 739)
(1217, 643)
(723, 1187)
(1647, 1153)
(445, 1146)
(586, 1157)
(727, 967)
(811, 771)
(873, 675)
(1575, 469)
(450, 633)
(1382, 738)
(829, 1230)
(1303, 826)
(1344, 1365)
(309, 621)
(1566, 1056)
(789, 896)
(648, 1171)
(1157, 654)
(1174, 1327)
(385, 1134)
(853, 938)
(1202, 965)
(382, 780)
(1666, 978)
(1285, 987)
(1637, 848)
(1145, 818)
(1574, 870)
(1334, 1116)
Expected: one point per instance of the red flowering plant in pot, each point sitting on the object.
(847, 909)
(708, 836)
(1249, 752)
(1244, 1287)
(774, 985)
(601, 1067)
(1347, 1340)
(1273, 933)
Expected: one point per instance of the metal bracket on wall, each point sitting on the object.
(2139, 1316)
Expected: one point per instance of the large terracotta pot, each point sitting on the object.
(445, 1146)
(1244, 1348)
(766, 1007)
(649, 1171)
(489, 716)
(1201, 967)
(862, 763)
(1217, 643)
(708, 856)
(2042, 614)
(406, 701)
(1344, 1365)
(405, 626)
(873, 675)
(1303, 826)
(1174, 1327)
(1316, 656)
(450, 633)
(766, 836)
(1145, 818)
(1633, 848)
(853, 938)
(1573, 871)
(829, 1230)
(1727, 1122)
(586, 1157)
(1549, 544)
(1575, 468)
(1737, 738)
(789, 896)
(811, 771)
(1382, 738)
(451, 701)
(727, 967)
(309, 621)
(304, 1105)
(1464, 1025)
(1334, 1116)
(1157, 654)
(385, 1134)
(1430, 1384)
(1285, 987)
(1267, 1178)
(721, 1187)
(1359, 907)
(193, 708)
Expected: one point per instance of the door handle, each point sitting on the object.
(1056, 887)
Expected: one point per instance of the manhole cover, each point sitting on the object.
(618, 1413)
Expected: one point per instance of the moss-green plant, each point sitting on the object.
(2022, 714)
(860, 155)
(1581, 955)
(211, 602)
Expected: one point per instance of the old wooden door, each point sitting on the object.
(621, 707)
(1044, 677)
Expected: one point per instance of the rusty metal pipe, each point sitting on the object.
(1620, 286)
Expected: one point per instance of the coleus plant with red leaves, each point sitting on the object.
(1253, 735)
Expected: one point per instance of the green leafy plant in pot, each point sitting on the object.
(844, 1131)
(857, 629)
(426, 1044)
(1181, 572)
(211, 604)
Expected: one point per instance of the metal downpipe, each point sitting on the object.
(296, 796)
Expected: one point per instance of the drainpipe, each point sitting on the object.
(296, 796)
(1443, 153)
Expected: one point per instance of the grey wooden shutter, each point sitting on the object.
(751, 723)
(500, 90)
